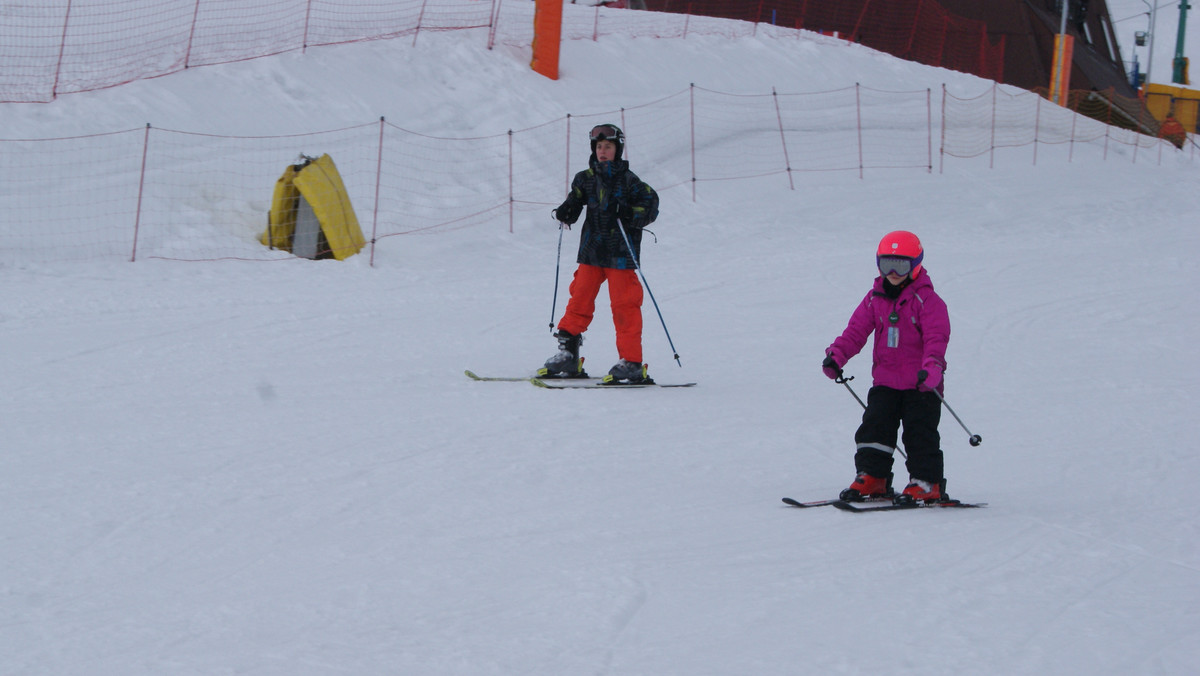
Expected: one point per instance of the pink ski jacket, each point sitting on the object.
(911, 333)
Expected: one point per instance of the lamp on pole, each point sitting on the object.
(1150, 29)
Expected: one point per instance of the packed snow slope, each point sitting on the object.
(280, 469)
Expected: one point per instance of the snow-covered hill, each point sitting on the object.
(280, 469)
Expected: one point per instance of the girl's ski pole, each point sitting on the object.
(974, 439)
(843, 380)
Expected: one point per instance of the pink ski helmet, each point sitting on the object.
(903, 244)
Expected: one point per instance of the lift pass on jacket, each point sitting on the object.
(893, 332)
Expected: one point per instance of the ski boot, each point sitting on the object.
(627, 373)
(567, 363)
(865, 487)
(922, 491)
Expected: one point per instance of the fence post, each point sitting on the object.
(929, 130)
(187, 56)
(511, 199)
(420, 18)
(137, 217)
(307, 18)
(1037, 126)
(942, 148)
(493, 22)
(858, 124)
(62, 46)
(378, 176)
(783, 139)
(992, 150)
(1074, 124)
(567, 168)
(692, 117)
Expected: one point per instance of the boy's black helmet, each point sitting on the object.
(608, 132)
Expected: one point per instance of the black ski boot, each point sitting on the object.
(567, 363)
(627, 373)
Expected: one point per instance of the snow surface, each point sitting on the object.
(280, 469)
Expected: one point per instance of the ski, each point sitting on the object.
(891, 507)
(472, 376)
(597, 384)
(521, 379)
(814, 503)
(833, 502)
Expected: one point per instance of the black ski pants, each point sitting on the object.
(920, 413)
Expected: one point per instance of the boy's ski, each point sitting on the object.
(890, 507)
(596, 384)
(472, 376)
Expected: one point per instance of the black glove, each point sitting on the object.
(563, 214)
(831, 368)
(927, 380)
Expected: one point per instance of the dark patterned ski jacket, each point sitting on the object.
(614, 196)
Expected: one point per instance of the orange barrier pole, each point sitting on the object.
(547, 36)
(1060, 76)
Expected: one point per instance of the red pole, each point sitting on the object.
(942, 149)
(692, 116)
(378, 172)
(307, 18)
(510, 182)
(137, 218)
(187, 57)
(858, 123)
(62, 46)
(929, 128)
(992, 150)
(567, 173)
(783, 139)
(1037, 127)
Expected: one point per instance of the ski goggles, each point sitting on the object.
(895, 264)
(606, 132)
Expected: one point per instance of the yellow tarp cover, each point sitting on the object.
(1161, 98)
(322, 187)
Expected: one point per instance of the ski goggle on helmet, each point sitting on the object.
(607, 132)
(899, 252)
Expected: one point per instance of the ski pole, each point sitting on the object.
(974, 439)
(557, 265)
(638, 267)
(843, 380)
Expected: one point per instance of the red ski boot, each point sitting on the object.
(922, 491)
(866, 486)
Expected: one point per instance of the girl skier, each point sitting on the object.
(912, 327)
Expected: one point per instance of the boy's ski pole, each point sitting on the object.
(974, 439)
(638, 267)
(557, 265)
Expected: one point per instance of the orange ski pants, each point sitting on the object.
(625, 296)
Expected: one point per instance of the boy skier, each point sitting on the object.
(618, 205)
(912, 328)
